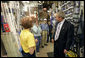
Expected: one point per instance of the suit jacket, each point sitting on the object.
(66, 35)
(50, 29)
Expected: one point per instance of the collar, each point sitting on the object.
(27, 29)
(62, 21)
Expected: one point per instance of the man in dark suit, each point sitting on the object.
(50, 31)
(63, 35)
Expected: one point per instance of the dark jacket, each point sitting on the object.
(66, 35)
(50, 29)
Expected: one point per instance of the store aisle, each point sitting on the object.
(42, 12)
(47, 51)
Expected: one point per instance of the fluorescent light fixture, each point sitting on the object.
(25, 1)
(39, 1)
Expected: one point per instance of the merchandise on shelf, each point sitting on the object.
(6, 27)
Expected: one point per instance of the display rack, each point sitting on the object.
(67, 7)
(10, 35)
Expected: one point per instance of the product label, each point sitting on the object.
(6, 27)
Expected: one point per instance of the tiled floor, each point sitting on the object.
(43, 51)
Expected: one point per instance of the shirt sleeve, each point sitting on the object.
(31, 41)
(40, 29)
(34, 29)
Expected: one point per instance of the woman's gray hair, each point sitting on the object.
(61, 14)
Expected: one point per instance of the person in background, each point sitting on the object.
(40, 22)
(43, 14)
(36, 30)
(63, 35)
(50, 31)
(45, 29)
(27, 41)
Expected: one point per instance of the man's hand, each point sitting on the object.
(36, 40)
(65, 51)
(52, 40)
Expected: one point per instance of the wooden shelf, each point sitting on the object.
(65, 4)
(68, 14)
(69, 8)
(69, 18)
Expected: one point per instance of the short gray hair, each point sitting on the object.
(61, 14)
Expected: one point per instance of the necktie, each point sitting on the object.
(57, 32)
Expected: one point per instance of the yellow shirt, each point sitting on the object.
(27, 40)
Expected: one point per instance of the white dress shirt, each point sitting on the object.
(58, 29)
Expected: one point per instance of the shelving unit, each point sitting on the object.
(65, 3)
(10, 38)
(11, 13)
(67, 7)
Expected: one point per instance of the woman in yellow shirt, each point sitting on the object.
(27, 40)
